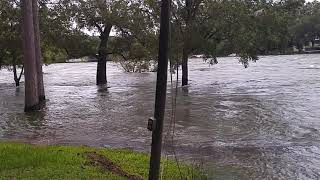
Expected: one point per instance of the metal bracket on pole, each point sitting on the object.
(152, 124)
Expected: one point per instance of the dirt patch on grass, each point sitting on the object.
(106, 164)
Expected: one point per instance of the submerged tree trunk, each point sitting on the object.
(14, 67)
(102, 56)
(312, 43)
(1, 59)
(185, 67)
(185, 53)
(39, 63)
(31, 81)
(21, 72)
(16, 77)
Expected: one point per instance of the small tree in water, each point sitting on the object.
(10, 38)
(99, 16)
(219, 28)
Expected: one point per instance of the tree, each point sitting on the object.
(31, 79)
(39, 63)
(135, 45)
(306, 28)
(186, 20)
(10, 43)
(203, 26)
(213, 28)
(11, 49)
(100, 16)
(61, 40)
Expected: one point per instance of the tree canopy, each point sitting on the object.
(211, 28)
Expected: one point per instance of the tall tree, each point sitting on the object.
(101, 16)
(31, 79)
(35, 11)
(195, 24)
(216, 28)
(306, 27)
(191, 8)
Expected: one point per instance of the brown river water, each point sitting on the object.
(257, 123)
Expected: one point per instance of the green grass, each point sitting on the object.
(23, 161)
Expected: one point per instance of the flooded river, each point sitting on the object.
(257, 123)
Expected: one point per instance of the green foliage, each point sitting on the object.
(306, 27)
(212, 28)
(59, 34)
(10, 37)
(131, 54)
(219, 28)
(52, 54)
(134, 45)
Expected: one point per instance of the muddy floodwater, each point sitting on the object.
(257, 123)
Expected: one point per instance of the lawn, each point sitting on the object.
(24, 161)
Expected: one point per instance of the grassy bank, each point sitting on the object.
(23, 161)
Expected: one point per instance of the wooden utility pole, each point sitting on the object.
(31, 79)
(161, 91)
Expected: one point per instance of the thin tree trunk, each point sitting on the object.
(312, 42)
(177, 72)
(14, 68)
(31, 81)
(185, 67)
(1, 59)
(68, 53)
(16, 78)
(35, 10)
(185, 53)
(102, 56)
(21, 72)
